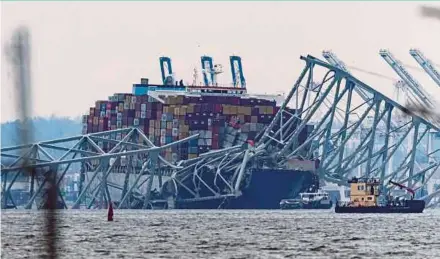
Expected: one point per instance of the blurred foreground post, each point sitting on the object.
(19, 53)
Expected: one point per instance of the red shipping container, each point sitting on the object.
(215, 144)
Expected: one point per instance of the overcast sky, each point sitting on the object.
(84, 51)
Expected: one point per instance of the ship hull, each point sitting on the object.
(411, 206)
(267, 187)
(306, 206)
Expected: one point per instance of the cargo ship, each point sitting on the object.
(365, 198)
(222, 116)
(308, 200)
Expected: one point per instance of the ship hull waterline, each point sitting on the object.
(414, 206)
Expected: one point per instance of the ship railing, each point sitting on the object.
(344, 203)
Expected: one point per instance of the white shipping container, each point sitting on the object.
(209, 122)
(102, 114)
(143, 114)
(208, 134)
(136, 122)
(163, 132)
(75, 187)
(126, 106)
(208, 142)
(119, 116)
(143, 107)
(175, 132)
(119, 124)
(133, 99)
(162, 140)
(230, 138)
(123, 161)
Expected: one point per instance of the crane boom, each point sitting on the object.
(404, 187)
(397, 66)
(334, 60)
(426, 65)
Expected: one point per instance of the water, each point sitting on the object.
(224, 234)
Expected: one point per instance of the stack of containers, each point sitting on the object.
(220, 121)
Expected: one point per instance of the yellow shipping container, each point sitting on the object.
(247, 110)
(233, 109)
(184, 128)
(226, 109)
(190, 108)
(269, 110)
(179, 99)
(190, 156)
(183, 110)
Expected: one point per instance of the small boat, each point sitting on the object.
(366, 198)
(308, 200)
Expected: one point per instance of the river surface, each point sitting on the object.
(224, 234)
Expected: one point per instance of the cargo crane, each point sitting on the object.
(421, 96)
(166, 71)
(401, 186)
(396, 65)
(207, 70)
(237, 72)
(335, 61)
(426, 65)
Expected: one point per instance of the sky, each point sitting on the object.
(87, 51)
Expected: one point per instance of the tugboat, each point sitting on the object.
(365, 198)
(308, 200)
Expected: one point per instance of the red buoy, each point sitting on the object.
(110, 212)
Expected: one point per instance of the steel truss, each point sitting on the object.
(329, 109)
(367, 116)
(87, 153)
